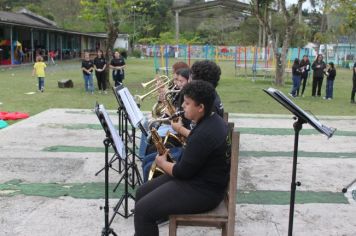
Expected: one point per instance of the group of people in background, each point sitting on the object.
(300, 71)
(98, 65)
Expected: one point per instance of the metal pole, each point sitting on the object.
(11, 46)
(134, 26)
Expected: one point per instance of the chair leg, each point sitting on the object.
(172, 227)
(224, 230)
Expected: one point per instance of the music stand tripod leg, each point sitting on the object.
(297, 127)
(107, 230)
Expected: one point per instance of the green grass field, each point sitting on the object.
(239, 94)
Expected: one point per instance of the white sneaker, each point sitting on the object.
(329, 98)
(100, 91)
(324, 98)
(106, 92)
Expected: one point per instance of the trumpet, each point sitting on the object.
(161, 77)
(140, 98)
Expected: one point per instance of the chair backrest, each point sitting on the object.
(235, 143)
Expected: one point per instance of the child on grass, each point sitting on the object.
(39, 71)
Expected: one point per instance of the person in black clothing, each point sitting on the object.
(87, 68)
(118, 65)
(330, 77)
(305, 68)
(209, 71)
(197, 182)
(296, 73)
(100, 66)
(353, 84)
(318, 67)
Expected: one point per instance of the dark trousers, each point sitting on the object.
(329, 88)
(317, 83)
(164, 196)
(118, 76)
(303, 82)
(353, 90)
(100, 76)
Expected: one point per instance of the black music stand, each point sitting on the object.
(113, 139)
(130, 112)
(301, 118)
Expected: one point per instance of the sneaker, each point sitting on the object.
(106, 92)
(290, 95)
(324, 98)
(100, 91)
(42, 89)
(329, 98)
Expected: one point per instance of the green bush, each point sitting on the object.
(136, 53)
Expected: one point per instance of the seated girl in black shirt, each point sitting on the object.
(197, 182)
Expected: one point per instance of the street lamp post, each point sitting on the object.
(134, 26)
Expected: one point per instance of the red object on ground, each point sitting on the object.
(13, 115)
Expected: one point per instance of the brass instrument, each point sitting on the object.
(140, 98)
(163, 78)
(155, 171)
(173, 117)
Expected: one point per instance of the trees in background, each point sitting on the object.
(261, 9)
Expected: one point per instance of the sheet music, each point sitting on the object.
(116, 140)
(134, 113)
(297, 111)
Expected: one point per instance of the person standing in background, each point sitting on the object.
(88, 68)
(353, 84)
(305, 68)
(318, 67)
(100, 66)
(39, 70)
(331, 74)
(296, 73)
(118, 65)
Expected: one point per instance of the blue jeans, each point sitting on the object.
(88, 82)
(329, 88)
(40, 83)
(296, 85)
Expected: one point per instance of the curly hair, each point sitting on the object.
(206, 70)
(201, 92)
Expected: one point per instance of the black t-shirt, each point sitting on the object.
(318, 71)
(205, 163)
(117, 61)
(87, 65)
(99, 62)
(305, 68)
(354, 77)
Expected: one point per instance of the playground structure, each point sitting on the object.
(249, 61)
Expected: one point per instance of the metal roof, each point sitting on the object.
(31, 20)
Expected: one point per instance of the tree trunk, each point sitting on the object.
(112, 35)
(281, 58)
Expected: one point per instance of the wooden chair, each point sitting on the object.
(223, 216)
